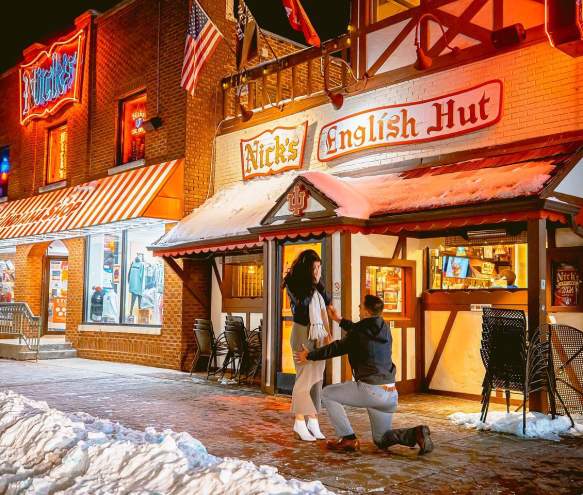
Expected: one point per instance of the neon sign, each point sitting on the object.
(52, 79)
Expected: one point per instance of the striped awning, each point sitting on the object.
(136, 196)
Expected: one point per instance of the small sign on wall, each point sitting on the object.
(406, 123)
(274, 151)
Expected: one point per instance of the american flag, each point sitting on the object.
(202, 38)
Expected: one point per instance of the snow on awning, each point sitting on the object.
(133, 198)
(222, 222)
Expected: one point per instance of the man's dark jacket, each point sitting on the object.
(368, 344)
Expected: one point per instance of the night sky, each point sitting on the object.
(27, 22)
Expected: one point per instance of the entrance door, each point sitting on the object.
(286, 369)
(56, 281)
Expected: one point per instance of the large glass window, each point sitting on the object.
(132, 136)
(104, 265)
(479, 267)
(145, 278)
(125, 282)
(57, 154)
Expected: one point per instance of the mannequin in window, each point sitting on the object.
(136, 281)
(97, 304)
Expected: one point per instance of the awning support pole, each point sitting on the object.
(537, 279)
(171, 262)
(217, 274)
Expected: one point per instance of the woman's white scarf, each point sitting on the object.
(318, 317)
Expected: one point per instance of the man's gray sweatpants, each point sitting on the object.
(379, 403)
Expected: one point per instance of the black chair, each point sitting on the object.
(566, 360)
(236, 340)
(207, 345)
(514, 361)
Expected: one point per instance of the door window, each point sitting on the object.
(57, 303)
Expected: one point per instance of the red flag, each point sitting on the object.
(300, 21)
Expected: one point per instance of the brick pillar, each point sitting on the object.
(76, 286)
(180, 311)
(29, 263)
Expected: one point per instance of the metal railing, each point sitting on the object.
(17, 319)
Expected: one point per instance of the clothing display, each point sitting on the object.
(136, 277)
(97, 304)
(110, 306)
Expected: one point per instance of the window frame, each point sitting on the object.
(50, 130)
(120, 124)
(232, 303)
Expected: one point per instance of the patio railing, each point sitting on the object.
(17, 319)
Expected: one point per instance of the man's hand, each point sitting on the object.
(333, 313)
(302, 356)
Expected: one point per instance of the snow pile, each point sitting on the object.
(538, 425)
(43, 451)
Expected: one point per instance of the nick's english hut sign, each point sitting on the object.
(469, 110)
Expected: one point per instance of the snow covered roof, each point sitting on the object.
(228, 216)
(229, 213)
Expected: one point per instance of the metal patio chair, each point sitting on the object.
(207, 345)
(236, 340)
(514, 361)
(566, 359)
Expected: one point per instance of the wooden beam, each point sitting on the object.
(498, 14)
(468, 28)
(346, 304)
(440, 346)
(217, 275)
(537, 278)
(456, 28)
(176, 268)
(392, 46)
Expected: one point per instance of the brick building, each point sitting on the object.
(104, 150)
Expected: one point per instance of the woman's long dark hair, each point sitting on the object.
(300, 279)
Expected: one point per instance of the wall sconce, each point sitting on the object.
(424, 61)
(246, 114)
(337, 99)
(152, 124)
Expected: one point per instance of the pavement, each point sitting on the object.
(233, 421)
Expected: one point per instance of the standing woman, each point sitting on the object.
(310, 306)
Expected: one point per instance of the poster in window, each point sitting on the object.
(566, 284)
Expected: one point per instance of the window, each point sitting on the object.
(478, 267)
(57, 154)
(132, 136)
(125, 282)
(104, 255)
(393, 281)
(387, 8)
(7, 277)
(4, 169)
(145, 278)
(243, 283)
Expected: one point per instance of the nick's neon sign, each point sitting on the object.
(52, 79)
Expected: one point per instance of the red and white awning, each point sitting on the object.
(153, 192)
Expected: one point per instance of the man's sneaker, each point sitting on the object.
(423, 437)
(343, 445)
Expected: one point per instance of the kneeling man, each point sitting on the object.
(368, 344)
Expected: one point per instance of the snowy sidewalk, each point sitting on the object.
(245, 424)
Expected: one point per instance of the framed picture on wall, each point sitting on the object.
(565, 279)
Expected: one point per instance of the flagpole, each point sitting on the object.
(262, 33)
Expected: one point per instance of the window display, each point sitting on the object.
(57, 303)
(104, 255)
(132, 138)
(145, 278)
(142, 284)
(478, 267)
(57, 155)
(7, 276)
(386, 282)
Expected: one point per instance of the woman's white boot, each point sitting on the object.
(301, 430)
(314, 429)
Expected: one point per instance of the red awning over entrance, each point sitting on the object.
(153, 192)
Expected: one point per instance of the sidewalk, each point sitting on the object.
(244, 423)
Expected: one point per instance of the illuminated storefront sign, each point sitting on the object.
(422, 121)
(274, 151)
(52, 79)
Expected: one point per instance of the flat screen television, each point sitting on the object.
(456, 266)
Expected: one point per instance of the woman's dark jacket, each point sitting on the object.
(300, 304)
